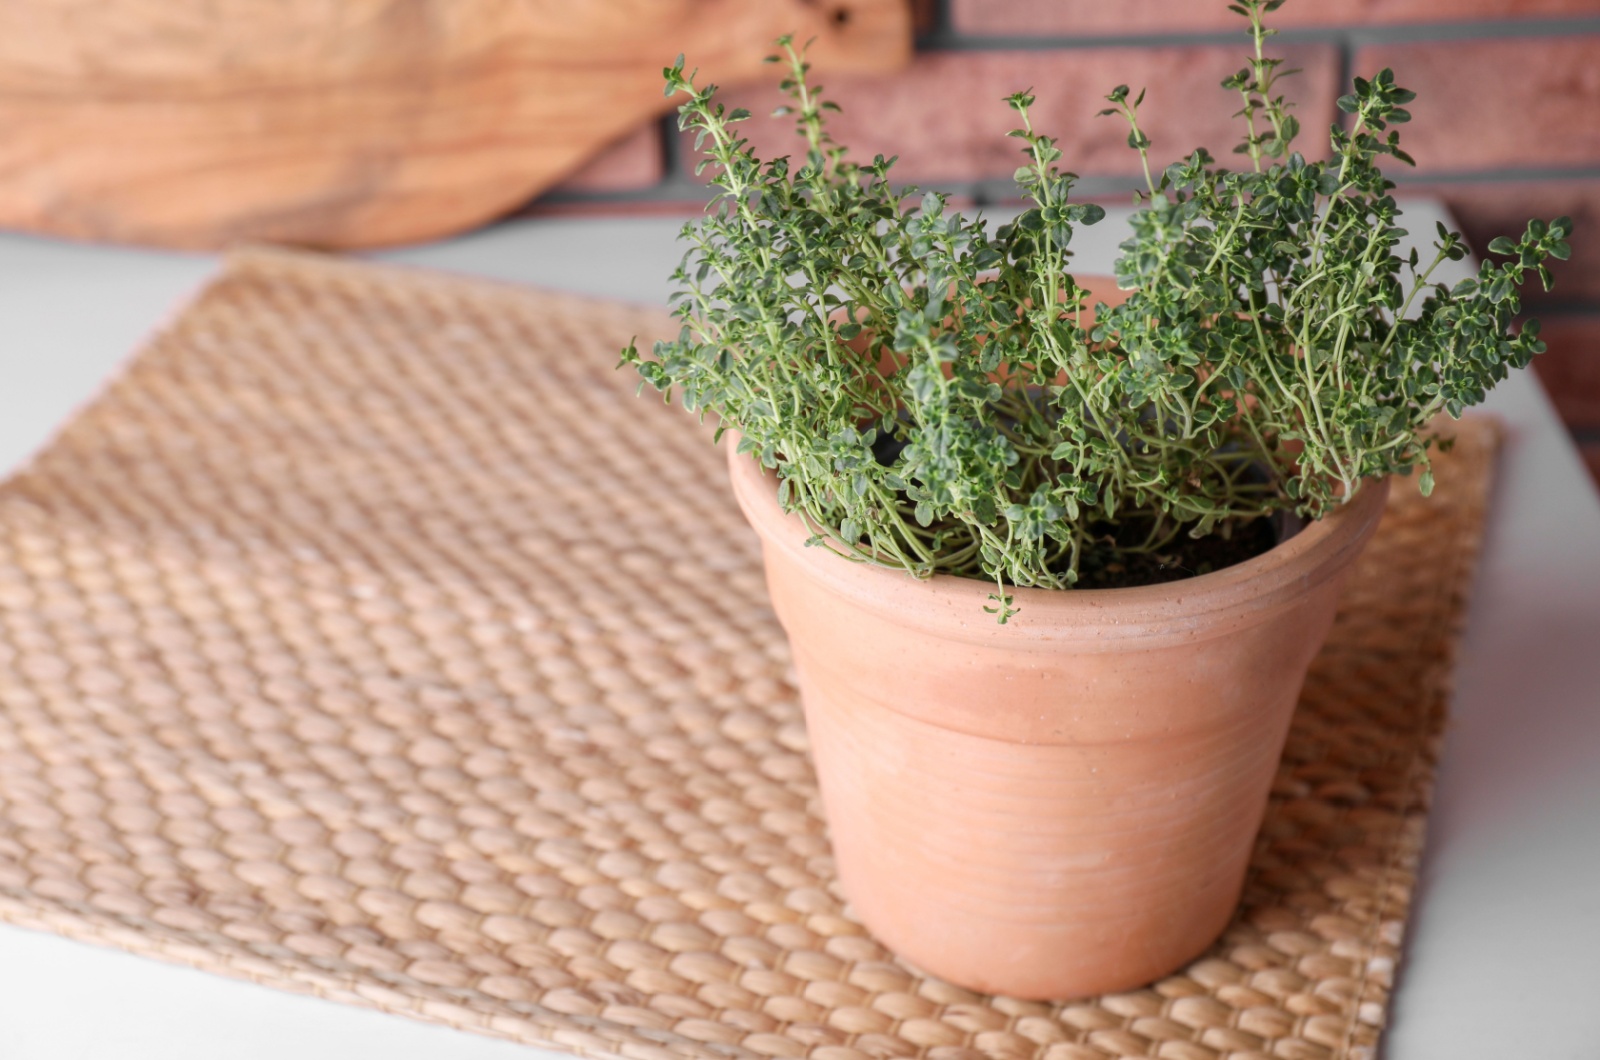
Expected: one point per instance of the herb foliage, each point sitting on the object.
(941, 397)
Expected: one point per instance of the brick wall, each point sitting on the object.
(1507, 119)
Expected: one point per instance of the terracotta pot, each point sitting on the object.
(1064, 805)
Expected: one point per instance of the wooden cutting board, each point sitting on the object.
(355, 123)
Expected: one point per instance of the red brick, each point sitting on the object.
(1570, 368)
(630, 163)
(1486, 210)
(1097, 17)
(946, 119)
(1499, 104)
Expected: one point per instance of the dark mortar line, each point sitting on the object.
(1001, 188)
(1351, 37)
(943, 27)
(671, 146)
(676, 185)
(954, 41)
(1488, 29)
(674, 188)
(988, 191)
(1503, 175)
(1553, 309)
(1347, 59)
(1001, 191)
(1585, 435)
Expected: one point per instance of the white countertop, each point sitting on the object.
(1504, 946)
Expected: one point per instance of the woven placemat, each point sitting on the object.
(369, 637)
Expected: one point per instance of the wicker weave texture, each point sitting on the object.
(370, 638)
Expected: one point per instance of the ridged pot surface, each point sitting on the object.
(1064, 805)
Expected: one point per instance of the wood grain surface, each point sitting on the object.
(354, 123)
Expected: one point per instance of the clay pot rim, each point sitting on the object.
(949, 606)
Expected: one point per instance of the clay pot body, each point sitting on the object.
(1064, 805)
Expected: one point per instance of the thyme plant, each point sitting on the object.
(940, 396)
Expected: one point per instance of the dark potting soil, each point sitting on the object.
(1184, 557)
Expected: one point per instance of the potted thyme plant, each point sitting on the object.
(1060, 798)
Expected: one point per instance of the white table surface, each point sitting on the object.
(1504, 947)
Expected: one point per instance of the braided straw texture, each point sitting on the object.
(370, 638)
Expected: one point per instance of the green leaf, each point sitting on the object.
(925, 383)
